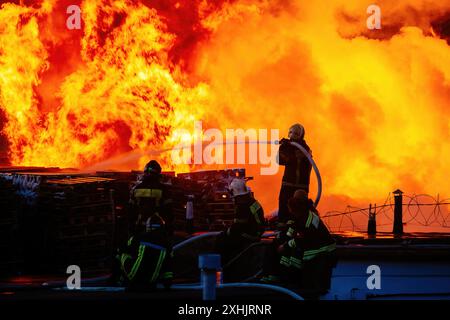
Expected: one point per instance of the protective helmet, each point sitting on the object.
(296, 132)
(238, 187)
(152, 167)
(300, 202)
(301, 194)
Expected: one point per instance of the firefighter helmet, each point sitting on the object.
(301, 194)
(238, 187)
(152, 167)
(296, 132)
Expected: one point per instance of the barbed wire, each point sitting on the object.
(421, 210)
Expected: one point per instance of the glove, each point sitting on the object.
(284, 141)
(292, 244)
(287, 248)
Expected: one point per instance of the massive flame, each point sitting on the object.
(123, 93)
(375, 103)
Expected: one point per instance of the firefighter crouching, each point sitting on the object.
(147, 257)
(248, 225)
(305, 252)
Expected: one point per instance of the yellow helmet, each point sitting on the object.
(296, 132)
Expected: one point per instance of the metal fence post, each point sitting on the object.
(372, 225)
(398, 212)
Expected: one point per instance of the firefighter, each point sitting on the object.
(146, 258)
(151, 196)
(248, 225)
(297, 170)
(305, 252)
(310, 250)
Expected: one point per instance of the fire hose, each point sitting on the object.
(132, 155)
(316, 170)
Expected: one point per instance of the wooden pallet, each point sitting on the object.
(80, 220)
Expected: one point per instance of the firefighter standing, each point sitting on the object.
(297, 170)
(146, 259)
(248, 224)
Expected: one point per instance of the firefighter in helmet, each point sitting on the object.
(306, 254)
(297, 170)
(248, 224)
(146, 258)
(151, 196)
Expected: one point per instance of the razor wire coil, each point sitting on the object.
(421, 210)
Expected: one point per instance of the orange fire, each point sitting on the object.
(375, 103)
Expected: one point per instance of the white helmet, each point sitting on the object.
(238, 187)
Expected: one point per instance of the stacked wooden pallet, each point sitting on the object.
(121, 184)
(81, 215)
(181, 190)
(220, 213)
(213, 207)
